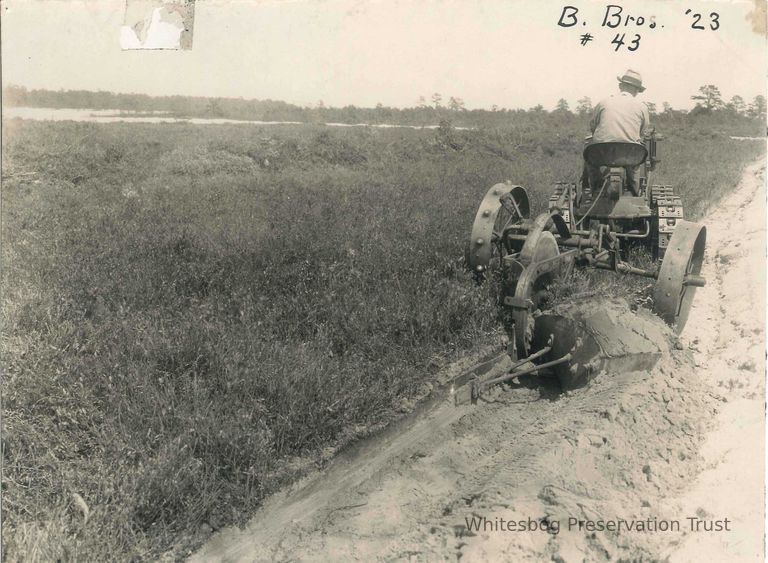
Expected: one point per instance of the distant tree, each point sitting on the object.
(757, 107)
(584, 106)
(213, 108)
(709, 97)
(456, 104)
(667, 107)
(350, 112)
(562, 106)
(494, 107)
(422, 102)
(537, 108)
(383, 113)
(436, 99)
(651, 108)
(736, 105)
(320, 104)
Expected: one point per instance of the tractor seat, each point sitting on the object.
(615, 154)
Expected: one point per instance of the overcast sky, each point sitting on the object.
(510, 53)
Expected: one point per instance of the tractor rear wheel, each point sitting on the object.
(679, 274)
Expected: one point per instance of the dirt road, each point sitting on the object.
(680, 443)
(726, 333)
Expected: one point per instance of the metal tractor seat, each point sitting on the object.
(615, 154)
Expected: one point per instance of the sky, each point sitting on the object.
(509, 53)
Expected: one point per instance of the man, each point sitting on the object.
(620, 118)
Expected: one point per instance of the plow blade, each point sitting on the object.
(575, 342)
(600, 336)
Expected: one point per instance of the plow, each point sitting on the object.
(593, 224)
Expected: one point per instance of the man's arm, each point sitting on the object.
(595, 121)
(645, 126)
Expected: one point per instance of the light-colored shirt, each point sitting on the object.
(619, 118)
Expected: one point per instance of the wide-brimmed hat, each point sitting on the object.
(632, 78)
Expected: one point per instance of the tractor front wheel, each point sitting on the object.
(485, 250)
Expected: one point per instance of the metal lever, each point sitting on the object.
(478, 389)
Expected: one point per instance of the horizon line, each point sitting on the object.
(746, 100)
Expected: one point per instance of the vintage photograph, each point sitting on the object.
(383, 280)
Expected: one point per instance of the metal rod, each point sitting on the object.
(624, 269)
(511, 215)
(694, 280)
(578, 242)
(503, 378)
(638, 235)
(580, 232)
(533, 356)
(573, 241)
(520, 215)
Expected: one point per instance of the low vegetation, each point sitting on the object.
(193, 315)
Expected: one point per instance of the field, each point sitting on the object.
(193, 316)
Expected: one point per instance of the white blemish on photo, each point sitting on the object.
(157, 24)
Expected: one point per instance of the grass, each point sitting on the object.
(191, 315)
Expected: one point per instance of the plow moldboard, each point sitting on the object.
(600, 336)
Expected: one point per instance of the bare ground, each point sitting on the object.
(684, 439)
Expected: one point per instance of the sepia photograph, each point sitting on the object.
(383, 280)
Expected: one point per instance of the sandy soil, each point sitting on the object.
(650, 447)
(726, 334)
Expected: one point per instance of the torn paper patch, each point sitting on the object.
(157, 24)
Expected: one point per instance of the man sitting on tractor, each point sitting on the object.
(619, 118)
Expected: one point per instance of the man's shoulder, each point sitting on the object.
(606, 100)
(623, 101)
(641, 105)
(599, 106)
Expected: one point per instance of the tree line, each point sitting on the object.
(708, 100)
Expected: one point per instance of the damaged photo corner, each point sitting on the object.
(383, 280)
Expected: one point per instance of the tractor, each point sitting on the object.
(591, 224)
